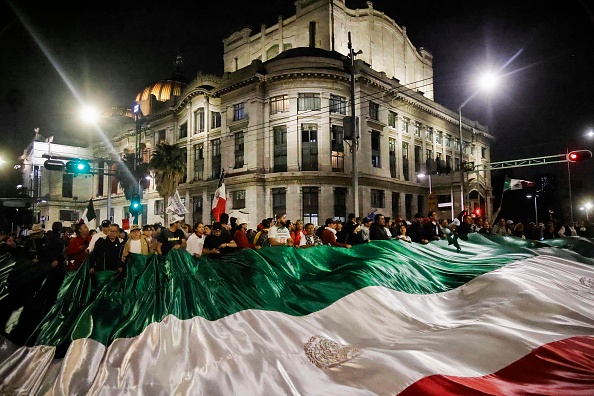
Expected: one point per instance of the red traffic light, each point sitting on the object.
(579, 155)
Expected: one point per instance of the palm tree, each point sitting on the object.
(169, 164)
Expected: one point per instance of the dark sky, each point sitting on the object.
(55, 54)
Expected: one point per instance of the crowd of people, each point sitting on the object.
(109, 247)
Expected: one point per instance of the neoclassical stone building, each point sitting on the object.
(274, 122)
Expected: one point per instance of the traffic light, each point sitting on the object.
(135, 206)
(78, 167)
(579, 155)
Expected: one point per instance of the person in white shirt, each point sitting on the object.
(279, 234)
(103, 234)
(195, 242)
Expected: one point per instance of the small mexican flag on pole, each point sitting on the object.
(516, 184)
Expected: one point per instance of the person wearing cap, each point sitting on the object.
(328, 235)
(136, 243)
(416, 231)
(377, 231)
(240, 236)
(217, 243)
(99, 235)
(171, 238)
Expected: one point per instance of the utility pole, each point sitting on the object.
(354, 131)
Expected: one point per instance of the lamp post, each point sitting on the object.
(355, 130)
(530, 196)
(486, 82)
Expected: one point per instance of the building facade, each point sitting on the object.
(274, 122)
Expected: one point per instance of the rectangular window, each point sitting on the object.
(215, 119)
(373, 111)
(184, 153)
(238, 199)
(337, 148)
(215, 148)
(69, 215)
(279, 200)
(183, 130)
(405, 166)
(439, 137)
(239, 152)
(395, 204)
(199, 120)
(483, 152)
(392, 150)
(238, 111)
(457, 162)
(421, 203)
(308, 101)
(67, 184)
(161, 136)
(418, 158)
(429, 162)
(377, 198)
(280, 148)
(309, 147)
(198, 206)
(405, 123)
(457, 143)
(375, 149)
(448, 141)
(340, 195)
(279, 104)
(310, 205)
(448, 164)
(392, 117)
(429, 134)
(199, 161)
(408, 206)
(159, 207)
(417, 129)
(338, 104)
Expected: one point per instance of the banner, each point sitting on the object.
(176, 205)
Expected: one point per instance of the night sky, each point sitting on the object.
(104, 53)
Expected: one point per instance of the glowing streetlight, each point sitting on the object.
(587, 206)
(421, 175)
(89, 114)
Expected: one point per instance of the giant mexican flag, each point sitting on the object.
(501, 316)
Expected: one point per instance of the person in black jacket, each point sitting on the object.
(107, 254)
(415, 231)
(431, 230)
(377, 231)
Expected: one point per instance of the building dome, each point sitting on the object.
(162, 89)
(166, 89)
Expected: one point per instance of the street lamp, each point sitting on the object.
(486, 82)
(587, 208)
(421, 175)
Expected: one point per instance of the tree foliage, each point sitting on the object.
(168, 163)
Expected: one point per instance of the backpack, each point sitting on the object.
(262, 239)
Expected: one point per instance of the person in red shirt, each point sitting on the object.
(240, 236)
(298, 232)
(77, 248)
(328, 235)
